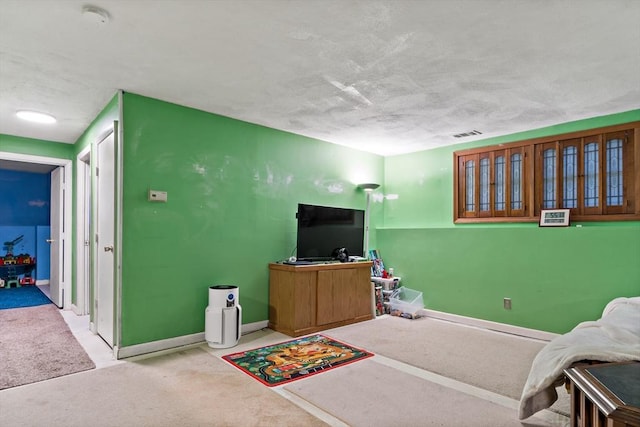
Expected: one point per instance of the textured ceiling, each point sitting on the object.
(387, 77)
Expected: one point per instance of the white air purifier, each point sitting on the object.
(223, 317)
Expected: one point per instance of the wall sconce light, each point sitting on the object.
(368, 189)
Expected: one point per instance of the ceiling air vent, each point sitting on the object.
(466, 134)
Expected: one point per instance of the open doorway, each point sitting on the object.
(60, 261)
(25, 231)
(75, 309)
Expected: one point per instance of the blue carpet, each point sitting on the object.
(26, 296)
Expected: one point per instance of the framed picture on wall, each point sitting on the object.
(554, 218)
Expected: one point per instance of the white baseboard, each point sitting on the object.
(42, 282)
(75, 310)
(255, 326)
(495, 326)
(184, 340)
(154, 346)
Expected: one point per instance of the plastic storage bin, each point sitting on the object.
(406, 300)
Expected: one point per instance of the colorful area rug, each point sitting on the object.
(292, 360)
(25, 296)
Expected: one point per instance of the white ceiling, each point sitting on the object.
(388, 77)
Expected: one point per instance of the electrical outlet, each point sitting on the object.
(507, 303)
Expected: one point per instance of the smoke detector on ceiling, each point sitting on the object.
(96, 15)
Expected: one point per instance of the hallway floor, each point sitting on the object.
(96, 348)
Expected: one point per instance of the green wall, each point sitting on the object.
(35, 147)
(555, 277)
(233, 189)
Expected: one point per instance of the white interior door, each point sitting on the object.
(56, 240)
(105, 239)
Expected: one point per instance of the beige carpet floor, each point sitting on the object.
(36, 344)
(426, 372)
(399, 399)
(186, 388)
(494, 361)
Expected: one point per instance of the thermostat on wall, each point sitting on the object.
(157, 196)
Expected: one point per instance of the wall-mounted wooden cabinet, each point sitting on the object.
(304, 299)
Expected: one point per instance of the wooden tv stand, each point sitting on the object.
(304, 299)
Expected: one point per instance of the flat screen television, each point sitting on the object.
(323, 229)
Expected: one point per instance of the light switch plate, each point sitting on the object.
(157, 196)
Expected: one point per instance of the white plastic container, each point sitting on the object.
(406, 300)
(223, 317)
(388, 284)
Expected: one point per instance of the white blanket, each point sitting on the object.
(615, 337)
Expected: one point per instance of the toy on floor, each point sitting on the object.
(400, 313)
(13, 266)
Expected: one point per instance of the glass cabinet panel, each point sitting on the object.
(591, 167)
(570, 177)
(549, 179)
(470, 177)
(614, 172)
(484, 185)
(516, 181)
(500, 183)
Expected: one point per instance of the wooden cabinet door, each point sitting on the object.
(361, 294)
(292, 300)
(304, 301)
(335, 295)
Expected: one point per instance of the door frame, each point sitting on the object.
(83, 250)
(66, 188)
